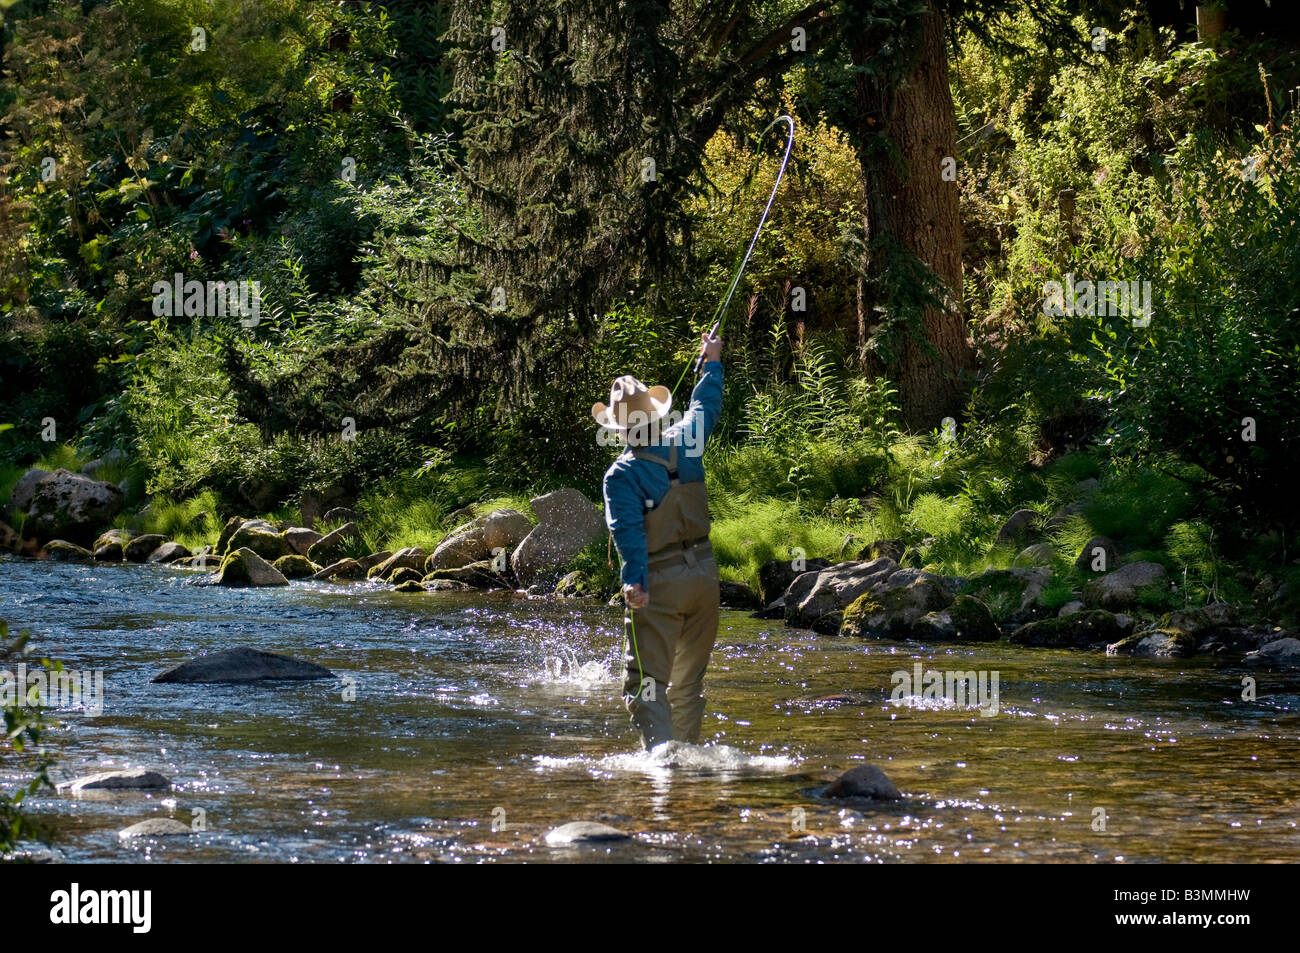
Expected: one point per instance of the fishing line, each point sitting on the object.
(721, 311)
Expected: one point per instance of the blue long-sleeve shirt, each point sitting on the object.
(630, 482)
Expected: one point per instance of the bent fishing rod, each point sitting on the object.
(721, 312)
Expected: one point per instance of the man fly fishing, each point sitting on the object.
(657, 510)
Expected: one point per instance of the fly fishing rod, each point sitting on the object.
(721, 312)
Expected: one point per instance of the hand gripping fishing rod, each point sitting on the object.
(721, 312)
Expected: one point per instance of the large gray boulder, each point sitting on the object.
(821, 593)
(568, 523)
(908, 604)
(479, 539)
(1124, 588)
(243, 665)
(70, 506)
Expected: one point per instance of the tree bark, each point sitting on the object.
(905, 131)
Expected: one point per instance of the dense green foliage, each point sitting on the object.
(381, 170)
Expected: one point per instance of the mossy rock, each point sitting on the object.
(855, 621)
(60, 550)
(296, 567)
(972, 620)
(1091, 629)
(405, 575)
(480, 575)
(1009, 594)
(110, 536)
(410, 585)
(110, 553)
(1155, 643)
(227, 531)
(267, 543)
(244, 567)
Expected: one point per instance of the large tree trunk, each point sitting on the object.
(905, 131)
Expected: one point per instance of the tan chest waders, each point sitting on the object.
(669, 641)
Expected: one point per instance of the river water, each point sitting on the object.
(463, 727)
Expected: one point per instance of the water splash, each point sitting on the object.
(568, 670)
(676, 757)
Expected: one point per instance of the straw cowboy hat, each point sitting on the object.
(631, 401)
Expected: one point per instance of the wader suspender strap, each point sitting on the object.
(671, 466)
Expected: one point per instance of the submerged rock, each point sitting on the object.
(867, 781)
(242, 665)
(584, 832)
(129, 779)
(410, 585)
(156, 827)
